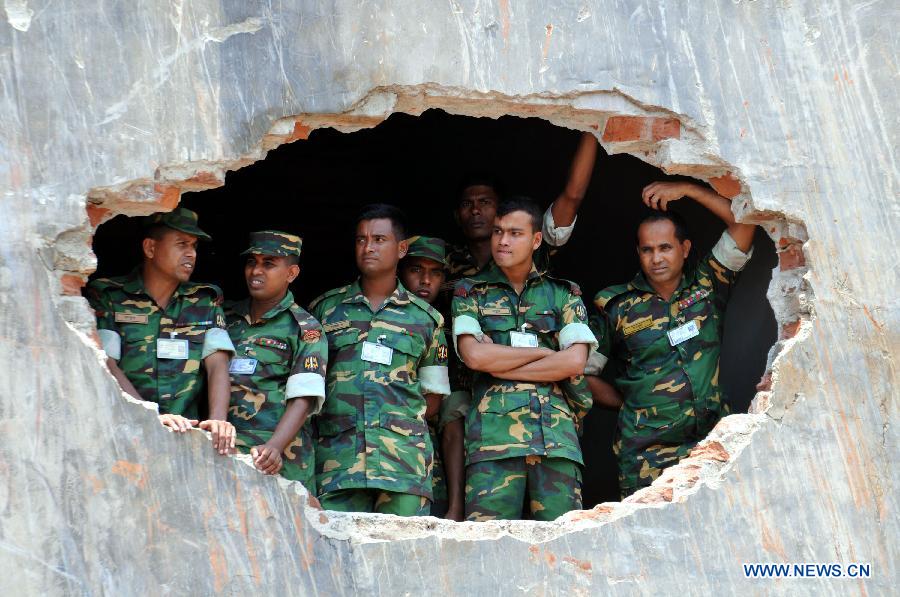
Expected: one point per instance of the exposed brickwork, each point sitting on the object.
(789, 330)
(791, 258)
(72, 284)
(96, 214)
(640, 128)
(727, 185)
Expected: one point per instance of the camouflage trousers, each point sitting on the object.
(497, 489)
(298, 461)
(375, 500)
(439, 503)
(642, 457)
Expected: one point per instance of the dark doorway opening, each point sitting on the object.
(314, 188)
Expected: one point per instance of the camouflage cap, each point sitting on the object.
(273, 242)
(181, 219)
(429, 248)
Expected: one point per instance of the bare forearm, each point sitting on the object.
(218, 385)
(554, 367)
(432, 405)
(711, 200)
(489, 357)
(454, 459)
(124, 382)
(565, 208)
(291, 421)
(603, 393)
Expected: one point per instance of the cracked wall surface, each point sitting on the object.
(786, 106)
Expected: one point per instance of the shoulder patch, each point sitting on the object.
(432, 312)
(602, 298)
(330, 293)
(302, 316)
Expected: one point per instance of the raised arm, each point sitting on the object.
(565, 208)
(658, 195)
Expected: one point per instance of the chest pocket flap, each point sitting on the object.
(342, 338)
(413, 346)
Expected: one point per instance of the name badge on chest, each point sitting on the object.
(171, 348)
(377, 353)
(683, 332)
(523, 340)
(242, 366)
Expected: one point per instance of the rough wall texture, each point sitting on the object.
(110, 107)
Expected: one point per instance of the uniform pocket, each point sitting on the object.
(331, 426)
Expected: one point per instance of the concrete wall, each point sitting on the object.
(110, 107)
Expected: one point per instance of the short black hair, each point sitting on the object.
(681, 228)
(478, 179)
(383, 211)
(520, 203)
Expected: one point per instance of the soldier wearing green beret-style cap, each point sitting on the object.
(422, 272)
(162, 332)
(278, 372)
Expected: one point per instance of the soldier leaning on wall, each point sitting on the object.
(278, 372)
(387, 373)
(522, 333)
(664, 330)
(161, 332)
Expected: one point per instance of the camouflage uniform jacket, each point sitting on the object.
(129, 323)
(667, 388)
(291, 355)
(372, 430)
(512, 419)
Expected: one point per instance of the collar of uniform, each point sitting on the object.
(134, 284)
(493, 274)
(640, 283)
(242, 308)
(354, 294)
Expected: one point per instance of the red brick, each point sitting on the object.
(624, 128)
(96, 214)
(72, 284)
(711, 450)
(204, 179)
(790, 329)
(168, 196)
(791, 258)
(300, 133)
(728, 186)
(665, 128)
(640, 128)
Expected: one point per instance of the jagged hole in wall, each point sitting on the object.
(315, 187)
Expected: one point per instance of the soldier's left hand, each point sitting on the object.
(657, 195)
(267, 459)
(223, 435)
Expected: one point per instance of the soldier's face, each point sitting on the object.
(662, 255)
(268, 276)
(423, 277)
(476, 212)
(378, 250)
(514, 240)
(173, 255)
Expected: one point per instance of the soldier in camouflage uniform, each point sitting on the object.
(387, 373)
(522, 333)
(665, 328)
(161, 332)
(278, 372)
(422, 272)
(477, 208)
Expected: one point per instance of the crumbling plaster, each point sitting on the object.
(110, 108)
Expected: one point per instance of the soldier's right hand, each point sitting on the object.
(177, 422)
(267, 459)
